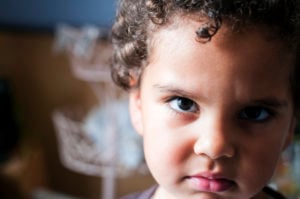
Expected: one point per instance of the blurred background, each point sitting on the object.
(54, 57)
(37, 78)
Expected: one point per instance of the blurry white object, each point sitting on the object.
(101, 142)
(77, 151)
(79, 41)
(89, 145)
(89, 59)
(128, 150)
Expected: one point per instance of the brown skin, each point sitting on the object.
(218, 82)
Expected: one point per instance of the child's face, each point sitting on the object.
(214, 117)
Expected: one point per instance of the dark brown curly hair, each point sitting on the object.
(130, 32)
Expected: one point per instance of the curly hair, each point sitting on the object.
(130, 32)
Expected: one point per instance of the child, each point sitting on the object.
(213, 91)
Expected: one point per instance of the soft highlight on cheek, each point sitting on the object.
(222, 81)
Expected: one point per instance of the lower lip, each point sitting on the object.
(210, 185)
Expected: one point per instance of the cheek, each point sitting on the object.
(257, 173)
(162, 144)
(160, 157)
(166, 149)
(262, 155)
(268, 143)
(264, 159)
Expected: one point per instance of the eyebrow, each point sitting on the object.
(267, 101)
(175, 90)
(271, 102)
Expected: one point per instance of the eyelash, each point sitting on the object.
(257, 114)
(173, 102)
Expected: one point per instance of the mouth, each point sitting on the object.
(210, 183)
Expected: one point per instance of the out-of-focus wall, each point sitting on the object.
(38, 14)
(42, 82)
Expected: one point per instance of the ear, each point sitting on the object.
(291, 133)
(135, 110)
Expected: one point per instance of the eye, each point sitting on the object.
(255, 113)
(182, 104)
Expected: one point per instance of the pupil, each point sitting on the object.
(253, 112)
(184, 104)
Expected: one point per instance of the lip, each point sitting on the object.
(210, 182)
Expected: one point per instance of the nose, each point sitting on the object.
(215, 141)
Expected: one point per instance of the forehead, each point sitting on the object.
(248, 57)
(180, 33)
